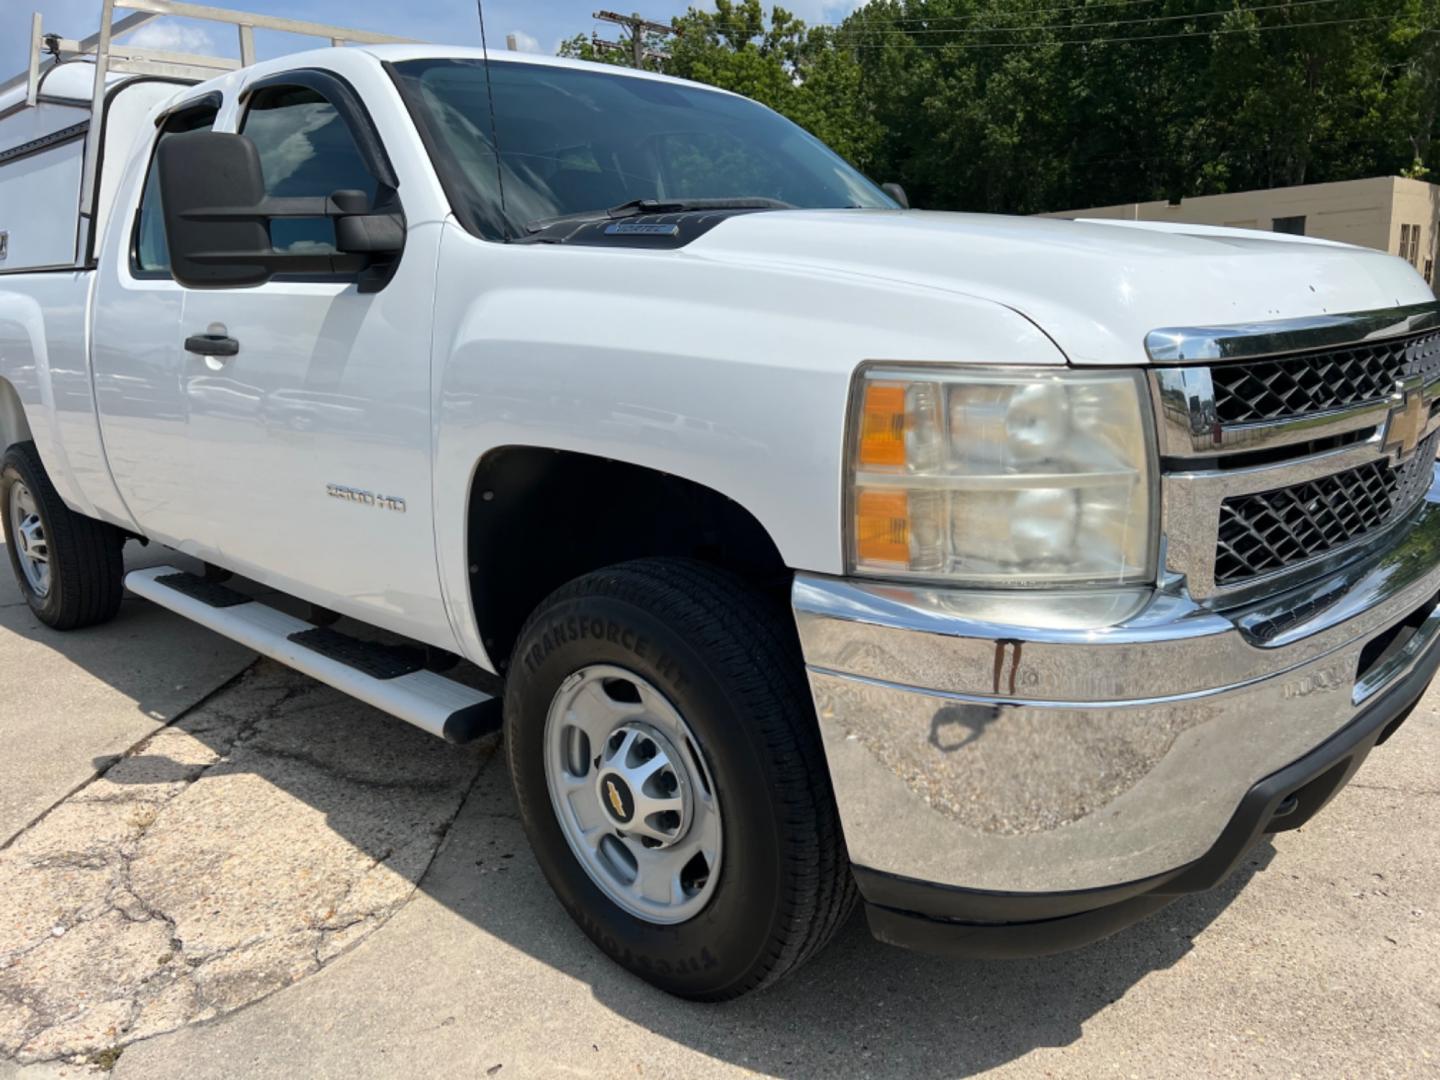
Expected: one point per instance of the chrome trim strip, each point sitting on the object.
(1184, 401)
(1248, 341)
(1190, 426)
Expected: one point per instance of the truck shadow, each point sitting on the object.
(858, 1007)
(155, 659)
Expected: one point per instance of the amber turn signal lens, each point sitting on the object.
(882, 526)
(882, 425)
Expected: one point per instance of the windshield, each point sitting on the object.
(574, 141)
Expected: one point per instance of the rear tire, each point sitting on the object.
(69, 567)
(725, 660)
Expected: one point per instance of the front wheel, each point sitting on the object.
(69, 567)
(670, 777)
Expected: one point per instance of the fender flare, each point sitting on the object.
(14, 427)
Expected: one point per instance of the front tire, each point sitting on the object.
(687, 742)
(69, 567)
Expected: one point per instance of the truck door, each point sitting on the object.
(311, 443)
(136, 354)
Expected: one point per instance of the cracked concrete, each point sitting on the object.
(226, 857)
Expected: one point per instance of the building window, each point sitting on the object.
(1429, 271)
(1294, 226)
(1410, 244)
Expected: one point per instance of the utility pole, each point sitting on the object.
(638, 28)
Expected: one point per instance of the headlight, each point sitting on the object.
(1002, 477)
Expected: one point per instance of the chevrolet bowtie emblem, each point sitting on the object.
(1409, 416)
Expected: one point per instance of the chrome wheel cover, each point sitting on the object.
(633, 794)
(32, 547)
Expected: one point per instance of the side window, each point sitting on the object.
(151, 255)
(306, 150)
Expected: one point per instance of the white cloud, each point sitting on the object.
(281, 161)
(816, 12)
(835, 10)
(523, 41)
(172, 37)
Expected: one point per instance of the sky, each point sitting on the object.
(538, 25)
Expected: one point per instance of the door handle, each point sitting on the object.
(212, 345)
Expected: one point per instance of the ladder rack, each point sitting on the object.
(110, 56)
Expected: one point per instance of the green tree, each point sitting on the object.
(1031, 105)
(776, 59)
(773, 57)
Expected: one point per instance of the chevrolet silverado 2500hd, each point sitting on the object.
(1015, 575)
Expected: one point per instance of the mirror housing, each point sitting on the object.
(896, 192)
(217, 220)
(201, 171)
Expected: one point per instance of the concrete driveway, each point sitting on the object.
(212, 867)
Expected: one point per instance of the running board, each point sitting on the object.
(378, 675)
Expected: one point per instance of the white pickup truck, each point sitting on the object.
(1017, 575)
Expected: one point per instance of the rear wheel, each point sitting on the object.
(68, 566)
(670, 777)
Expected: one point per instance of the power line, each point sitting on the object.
(863, 15)
(1199, 35)
(1149, 20)
(638, 28)
(894, 26)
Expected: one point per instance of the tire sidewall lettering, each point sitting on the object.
(570, 629)
(703, 960)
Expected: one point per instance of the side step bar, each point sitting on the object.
(384, 676)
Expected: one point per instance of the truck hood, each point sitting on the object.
(1097, 288)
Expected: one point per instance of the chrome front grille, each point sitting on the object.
(1336, 378)
(1271, 530)
(1290, 448)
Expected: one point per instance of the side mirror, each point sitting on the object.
(896, 192)
(211, 188)
(217, 220)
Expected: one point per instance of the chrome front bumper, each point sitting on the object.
(1049, 743)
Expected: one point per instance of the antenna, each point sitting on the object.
(494, 130)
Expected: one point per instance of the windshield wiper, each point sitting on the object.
(636, 207)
